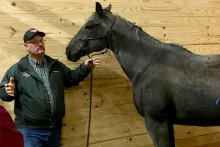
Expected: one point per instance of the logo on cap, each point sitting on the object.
(34, 30)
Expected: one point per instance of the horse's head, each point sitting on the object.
(93, 36)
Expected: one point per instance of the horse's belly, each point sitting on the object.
(197, 122)
(199, 116)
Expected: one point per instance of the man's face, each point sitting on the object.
(35, 46)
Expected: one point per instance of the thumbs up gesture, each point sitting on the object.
(10, 87)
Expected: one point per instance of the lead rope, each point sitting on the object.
(90, 95)
(90, 105)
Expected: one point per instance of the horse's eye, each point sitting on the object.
(91, 24)
(87, 26)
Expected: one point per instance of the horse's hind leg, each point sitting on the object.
(161, 132)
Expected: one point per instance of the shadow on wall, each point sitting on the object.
(19, 16)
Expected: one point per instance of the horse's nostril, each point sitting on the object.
(68, 57)
(67, 52)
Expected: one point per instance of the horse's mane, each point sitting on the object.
(155, 42)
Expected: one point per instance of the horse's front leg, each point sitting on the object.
(160, 131)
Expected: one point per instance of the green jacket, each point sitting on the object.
(32, 105)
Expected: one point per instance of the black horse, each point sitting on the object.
(171, 85)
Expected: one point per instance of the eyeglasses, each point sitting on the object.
(35, 42)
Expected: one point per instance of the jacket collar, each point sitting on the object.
(24, 64)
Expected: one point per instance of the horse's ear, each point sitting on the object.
(99, 9)
(109, 7)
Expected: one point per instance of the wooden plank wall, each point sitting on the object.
(115, 122)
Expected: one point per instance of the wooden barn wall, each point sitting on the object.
(193, 24)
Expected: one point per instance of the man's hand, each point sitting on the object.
(94, 61)
(10, 87)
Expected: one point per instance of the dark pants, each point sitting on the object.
(41, 137)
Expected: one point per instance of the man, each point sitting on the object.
(36, 83)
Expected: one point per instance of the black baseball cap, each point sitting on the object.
(30, 33)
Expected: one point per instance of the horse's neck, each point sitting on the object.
(132, 47)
